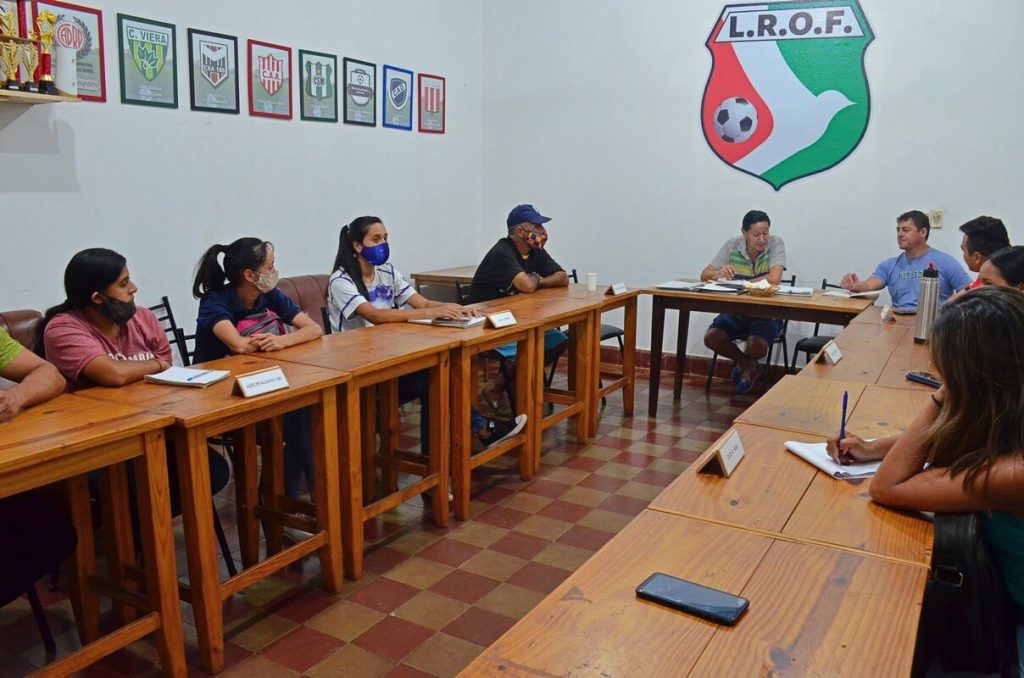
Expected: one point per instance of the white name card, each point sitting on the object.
(617, 288)
(887, 314)
(725, 459)
(260, 382)
(502, 319)
(830, 353)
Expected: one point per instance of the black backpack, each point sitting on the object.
(968, 620)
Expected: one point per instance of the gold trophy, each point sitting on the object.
(30, 60)
(7, 26)
(9, 53)
(45, 22)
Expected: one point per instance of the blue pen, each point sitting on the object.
(842, 422)
(205, 372)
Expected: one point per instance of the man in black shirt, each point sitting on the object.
(518, 263)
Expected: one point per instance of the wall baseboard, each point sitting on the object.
(697, 365)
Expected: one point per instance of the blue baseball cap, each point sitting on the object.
(525, 214)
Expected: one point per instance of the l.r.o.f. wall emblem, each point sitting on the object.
(788, 94)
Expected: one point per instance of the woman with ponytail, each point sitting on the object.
(366, 290)
(242, 311)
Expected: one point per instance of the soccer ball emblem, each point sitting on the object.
(735, 120)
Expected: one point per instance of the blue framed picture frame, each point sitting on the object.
(397, 103)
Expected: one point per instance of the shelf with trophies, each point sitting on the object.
(34, 54)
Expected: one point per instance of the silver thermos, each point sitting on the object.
(927, 304)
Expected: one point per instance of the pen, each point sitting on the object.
(196, 376)
(842, 428)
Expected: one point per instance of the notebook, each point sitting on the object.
(443, 322)
(187, 376)
(846, 294)
(816, 455)
(796, 291)
(682, 285)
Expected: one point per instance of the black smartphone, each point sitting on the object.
(926, 378)
(679, 594)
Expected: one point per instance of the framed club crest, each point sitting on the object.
(148, 62)
(270, 80)
(81, 29)
(398, 98)
(318, 96)
(360, 93)
(213, 71)
(432, 102)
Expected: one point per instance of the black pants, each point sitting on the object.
(35, 537)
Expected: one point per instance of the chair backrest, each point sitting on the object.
(574, 276)
(309, 292)
(462, 292)
(23, 326)
(791, 282)
(165, 315)
(181, 340)
(825, 284)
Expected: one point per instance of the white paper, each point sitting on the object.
(678, 285)
(817, 455)
(715, 287)
(847, 294)
(187, 376)
(799, 291)
(466, 322)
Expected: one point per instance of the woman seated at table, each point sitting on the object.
(970, 432)
(1004, 267)
(365, 290)
(242, 311)
(98, 337)
(34, 535)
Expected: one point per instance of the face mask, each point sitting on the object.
(536, 240)
(118, 311)
(267, 282)
(376, 255)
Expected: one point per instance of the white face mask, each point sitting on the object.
(267, 282)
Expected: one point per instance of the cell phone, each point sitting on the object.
(926, 378)
(706, 603)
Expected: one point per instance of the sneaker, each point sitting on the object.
(503, 430)
(293, 535)
(747, 379)
(737, 376)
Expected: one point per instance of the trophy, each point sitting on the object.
(30, 60)
(45, 22)
(7, 27)
(9, 54)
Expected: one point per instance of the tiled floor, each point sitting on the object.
(432, 599)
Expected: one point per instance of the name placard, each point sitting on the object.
(502, 319)
(260, 382)
(725, 459)
(617, 288)
(887, 314)
(830, 353)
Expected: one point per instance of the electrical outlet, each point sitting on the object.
(935, 216)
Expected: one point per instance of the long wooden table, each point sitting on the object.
(59, 442)
(200, 414)
(817, 308)
(813, 610)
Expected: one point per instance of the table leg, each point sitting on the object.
(629, 357)
(158, 552)
(117, 532)
(529, 453)
(440, 440)
(325, 492)
(351, 479)
(462, 442)
(272, 447)
(681, 332)
(586, 388)
(368, 425)
(536, 404)
(201, 545)
(247, 491)
(84, 602)
(594, 398)
(388, 422)
(657, 339)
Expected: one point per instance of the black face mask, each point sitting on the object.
(118, 311)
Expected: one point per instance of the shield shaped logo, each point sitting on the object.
(271, 73)
(360, 86)
(398, 93)
(787, 96)
(149, 50)
(318, 80)
(213, 62)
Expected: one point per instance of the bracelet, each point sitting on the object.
(937, 402)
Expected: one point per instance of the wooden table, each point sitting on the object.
(909, 357)
(371, 356)
(200, 414)
(62, 440)
(873, 315)
(813, 610)
(439, 285)
(866, 348)
(817, 308)
(886, 411)
(806, 405)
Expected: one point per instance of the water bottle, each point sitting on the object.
(927, 304)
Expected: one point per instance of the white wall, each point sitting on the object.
(591, 110)
(161, 185)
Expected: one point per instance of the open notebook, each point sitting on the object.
(187, 376)
(464, 322)
(815, 453)
(730, 288)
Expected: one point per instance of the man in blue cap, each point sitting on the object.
(518, 263)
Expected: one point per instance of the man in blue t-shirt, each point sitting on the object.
(902, 274)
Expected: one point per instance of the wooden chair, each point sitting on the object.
(812, 345)
(780, 339)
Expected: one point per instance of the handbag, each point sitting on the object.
(264, 322)
(967, 617)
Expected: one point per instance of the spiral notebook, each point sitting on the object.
(817, 455)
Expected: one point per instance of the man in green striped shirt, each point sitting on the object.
(754, 255)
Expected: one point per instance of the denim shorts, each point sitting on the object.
(741, 327)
